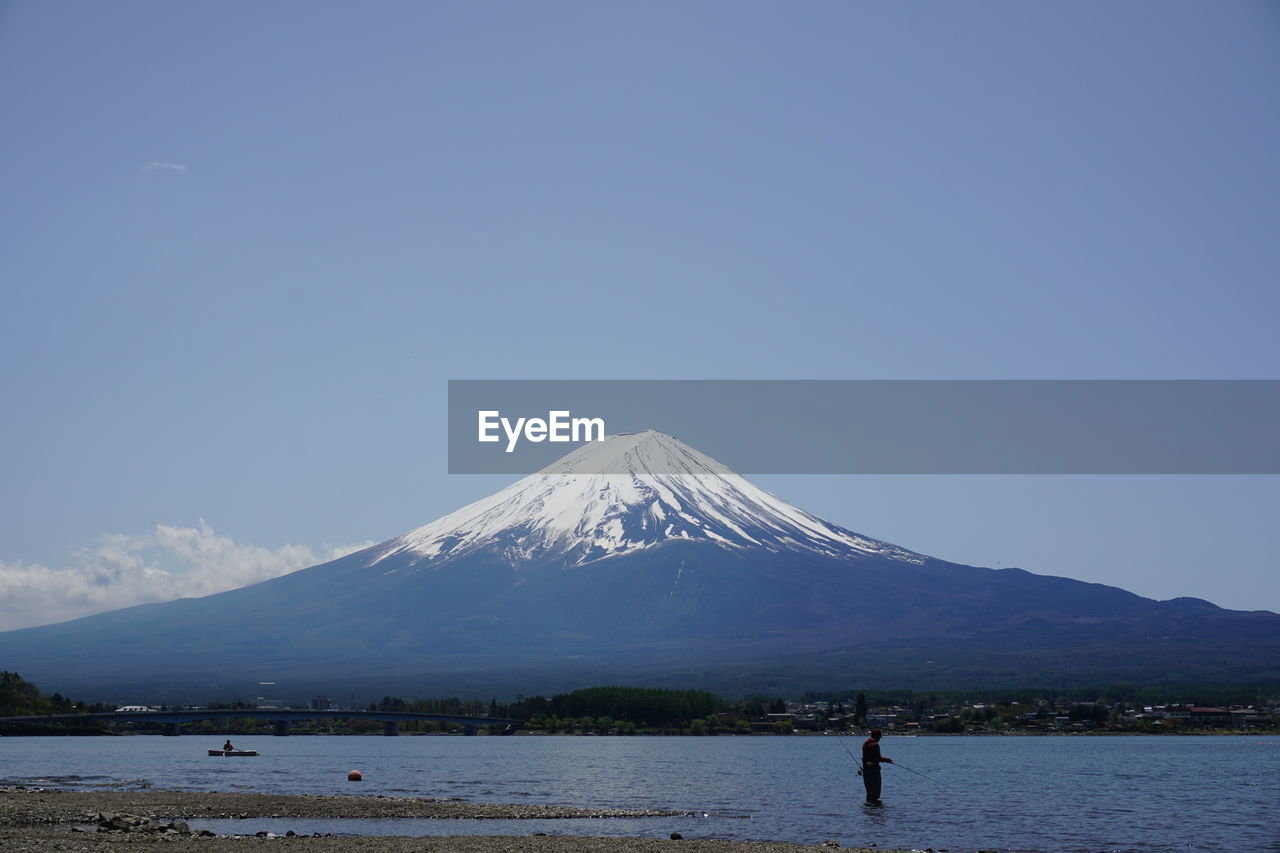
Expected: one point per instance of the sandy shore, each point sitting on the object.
(37, 821)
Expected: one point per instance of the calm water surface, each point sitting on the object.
(1023, 794)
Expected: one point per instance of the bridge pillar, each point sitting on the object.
(172, 730)
(468, 730)
(282, 728)
(391, 728)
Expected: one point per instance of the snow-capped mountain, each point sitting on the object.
(638, 560)
(630, 492)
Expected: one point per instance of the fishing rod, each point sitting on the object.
(851, 755)
(918, 773)
(894, 763)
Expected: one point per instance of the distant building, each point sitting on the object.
(320, 703)
(1243, 718)
(882, 721)
(1235, 717)
(1209, 716)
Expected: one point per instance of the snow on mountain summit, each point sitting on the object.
(629, 492)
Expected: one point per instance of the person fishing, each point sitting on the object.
(871, 761)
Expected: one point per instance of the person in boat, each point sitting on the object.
(227, 747)
(871, 761)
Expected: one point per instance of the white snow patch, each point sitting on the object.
(580, 505)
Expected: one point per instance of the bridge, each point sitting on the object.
(173, 720)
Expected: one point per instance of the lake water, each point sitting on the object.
(1017, 794)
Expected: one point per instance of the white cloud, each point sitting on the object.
(157, 166)
(123, 570)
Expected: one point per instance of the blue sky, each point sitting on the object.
(244, 246)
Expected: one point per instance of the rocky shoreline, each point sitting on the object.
(42, 821)
(29, 806)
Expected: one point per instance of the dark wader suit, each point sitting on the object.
(871, 769)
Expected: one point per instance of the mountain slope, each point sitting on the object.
(639, 559)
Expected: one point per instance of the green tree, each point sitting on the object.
(860, 709)
(19, 697)
(642, 706)
(948, 725)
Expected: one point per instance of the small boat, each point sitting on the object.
(233, 752)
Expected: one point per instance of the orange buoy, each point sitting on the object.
(354, 776)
